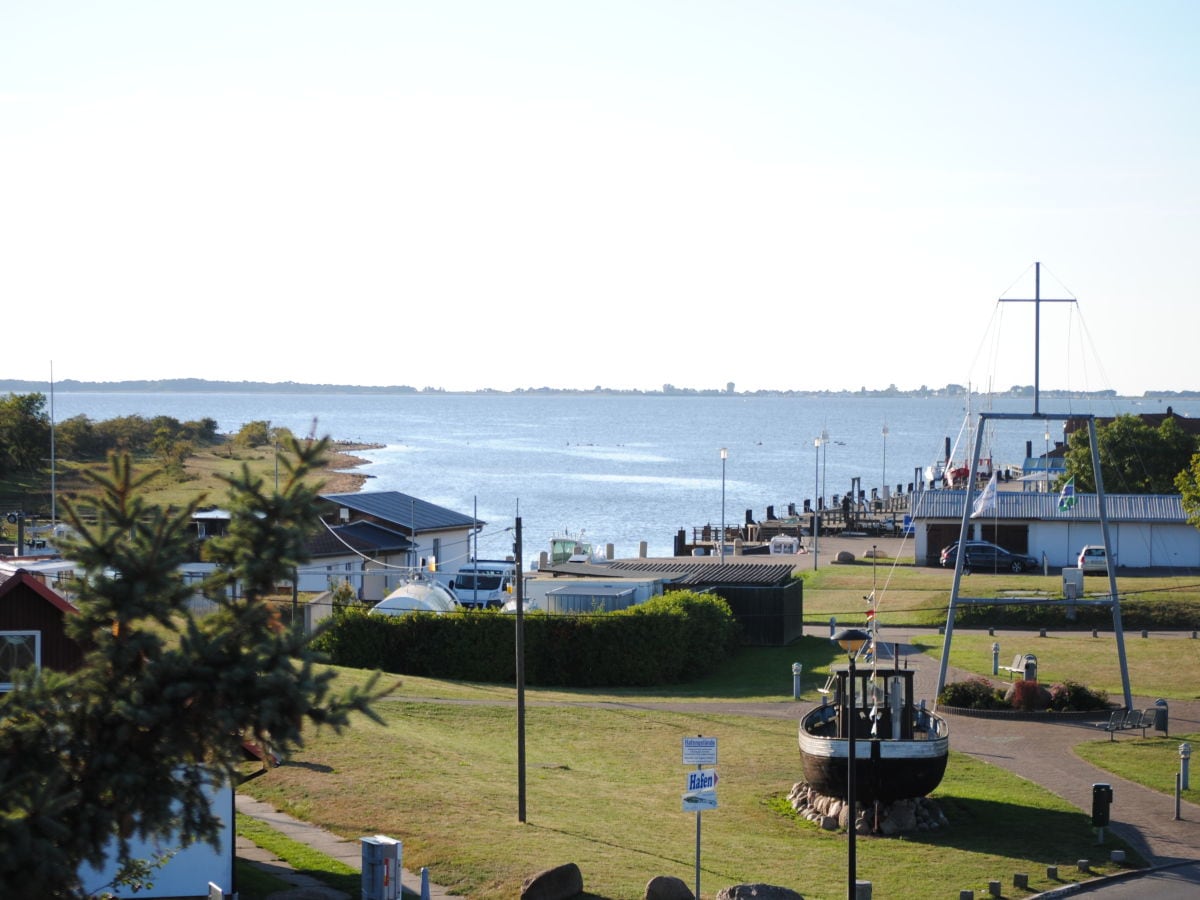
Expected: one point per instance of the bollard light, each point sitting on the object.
(797, 668)
(1185, 754)
(996, 658)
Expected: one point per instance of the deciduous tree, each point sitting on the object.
(1135, 458)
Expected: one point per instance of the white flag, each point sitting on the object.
(986, 501)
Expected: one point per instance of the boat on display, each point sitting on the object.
(901, 748)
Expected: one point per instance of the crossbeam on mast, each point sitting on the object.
(1037, 300)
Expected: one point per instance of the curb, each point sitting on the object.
(1116, 878)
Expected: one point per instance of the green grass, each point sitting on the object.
(919, 595)
(1152, 762)
(1154, 663)
(603, 789)
(299, 856)
(604, 778)
(255, 884)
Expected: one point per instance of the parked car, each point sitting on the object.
(1092, 559)
(986, 556)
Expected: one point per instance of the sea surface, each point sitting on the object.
(624, 469)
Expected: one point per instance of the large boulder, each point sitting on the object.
(844, 557)
(757, 892)
(668, 887)
(560, 883)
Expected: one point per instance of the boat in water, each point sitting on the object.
(901, 748)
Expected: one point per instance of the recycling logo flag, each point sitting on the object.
(1066, 499)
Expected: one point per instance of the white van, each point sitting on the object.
(1092, 559)
(484, 583)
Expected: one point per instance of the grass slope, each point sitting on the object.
(603, 789)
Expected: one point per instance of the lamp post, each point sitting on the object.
(1046, 460)
(724, 456)
(824, 454)
(885, 489)
(816, 519)
(851, 640)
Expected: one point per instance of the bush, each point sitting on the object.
(974, 693)
(1028, 696)
(1070, 695)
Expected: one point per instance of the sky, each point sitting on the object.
(780, 195)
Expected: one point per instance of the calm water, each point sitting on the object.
(622, 468)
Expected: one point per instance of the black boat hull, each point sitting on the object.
(885, 770)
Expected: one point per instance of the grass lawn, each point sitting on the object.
(1152, 762)
(919, 595)
(1156, 663)
(604, 785)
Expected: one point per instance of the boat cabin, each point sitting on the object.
(883, 700)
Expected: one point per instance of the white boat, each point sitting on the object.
(566, 547)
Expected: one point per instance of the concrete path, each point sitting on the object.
(306, 888)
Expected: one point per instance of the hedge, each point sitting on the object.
(674, 638)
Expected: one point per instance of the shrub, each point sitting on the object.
(1028, 696)
(974, 693)
(1070, 695)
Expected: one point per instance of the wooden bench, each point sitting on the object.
(1018, 665)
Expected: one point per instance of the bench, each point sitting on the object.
(1018, 666)
(1128, 720)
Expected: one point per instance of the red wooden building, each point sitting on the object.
(32, 631)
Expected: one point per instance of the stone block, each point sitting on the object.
(757, 892)
(559, 883)
(668, 887)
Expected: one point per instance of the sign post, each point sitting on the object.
(701, 789)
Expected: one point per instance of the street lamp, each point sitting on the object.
(851, 640)
(885, 434)
(1046, 461)
(816, 517)
(724, 456)
(824, 455)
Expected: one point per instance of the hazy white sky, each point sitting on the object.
(521, 194)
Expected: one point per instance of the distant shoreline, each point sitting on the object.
(339, 480)
(200, 385)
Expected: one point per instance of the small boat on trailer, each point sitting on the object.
(900, 748)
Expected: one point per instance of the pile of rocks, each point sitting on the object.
(900, 817)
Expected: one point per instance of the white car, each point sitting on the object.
(1092, 559)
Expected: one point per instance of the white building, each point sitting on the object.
(1146, 530)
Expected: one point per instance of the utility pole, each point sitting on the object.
(520, 642)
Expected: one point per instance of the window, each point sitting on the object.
(18, 650)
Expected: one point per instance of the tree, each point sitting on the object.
(1188, 484)
(254, 434)
(24, 433)
(1134, 457)
(127, 745)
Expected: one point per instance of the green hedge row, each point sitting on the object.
(673, 638)
(1161, 614)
